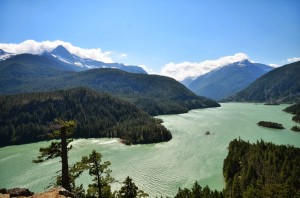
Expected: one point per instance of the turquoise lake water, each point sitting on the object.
(159, 169)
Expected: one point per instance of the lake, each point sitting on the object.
(159, 169)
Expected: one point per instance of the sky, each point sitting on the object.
(171, 37)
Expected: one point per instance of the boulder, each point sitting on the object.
(17, 192)
(65, 192)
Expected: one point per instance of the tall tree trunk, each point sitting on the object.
(99, 180)
(65, 181)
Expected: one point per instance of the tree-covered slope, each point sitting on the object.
(25, 118)
(262, 170)
(225, 81)
(294, 109)
(279, 85)
(154, 94)
(255, 170)
(21, 73)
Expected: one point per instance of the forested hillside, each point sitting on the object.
(262, 170)
(25, 118)
(279, 85)
(154, 94)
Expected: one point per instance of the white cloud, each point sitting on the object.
(186, 69)
(274, 65)
(294, 59)
(147, 69)
(34, 47)
(123, 55)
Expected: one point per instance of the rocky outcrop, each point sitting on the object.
(23, 192)
(15, 192)
(4, 195)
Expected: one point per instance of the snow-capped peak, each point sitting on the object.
(5, 55)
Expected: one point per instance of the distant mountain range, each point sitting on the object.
(279, 85)
(75, 63)
(40, 73)
(227, 80)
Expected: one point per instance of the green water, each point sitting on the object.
(159, 169)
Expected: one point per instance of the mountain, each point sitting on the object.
(2, 52)
(25, 118)
(227, 80)
(279, 85)
(187, 81)
(154, 94)
(73, 62)
(62, 54)
(5, 55)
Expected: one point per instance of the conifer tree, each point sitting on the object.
(61, 130)
(101, 173)
(130, 190)
(196, 190)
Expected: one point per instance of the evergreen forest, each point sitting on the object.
(154, 94)
(294, 109)
(280, 85)
(25, 118)
(255, 170)
(262, 170)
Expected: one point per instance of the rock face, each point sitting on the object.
(23, 192)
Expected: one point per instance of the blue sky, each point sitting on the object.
(157, 32)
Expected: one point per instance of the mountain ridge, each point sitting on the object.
(279, 85)
(61, 53)
(227, 80)
(76, 63)
(153, 93)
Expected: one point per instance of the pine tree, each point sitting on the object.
(130, 190)
(62, 130)
(100, 172)
(196, 190)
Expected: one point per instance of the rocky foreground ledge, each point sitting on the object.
(23, 192)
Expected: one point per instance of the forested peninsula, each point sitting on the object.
(294, 109)
(25, 118)
(255, 170)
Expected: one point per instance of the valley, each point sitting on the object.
(128, 99)
(185, 142)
